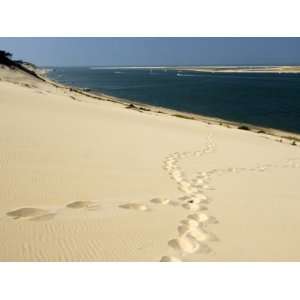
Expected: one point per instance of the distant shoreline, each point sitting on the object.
(206, 69)
(142, 107)
(247, 69)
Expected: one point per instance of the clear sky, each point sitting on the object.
(154, 51)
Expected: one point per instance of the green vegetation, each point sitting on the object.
(6, 60)
(244, 127)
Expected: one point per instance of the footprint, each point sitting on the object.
(183, 229)
(177, 178)
(190, 228)
(184, 183)
(27, 212)
(199, 181)
(185, 189)
(184, 244)
(169, 259)
(167, 168)
(197, 201)
(192, 234)
(163, 201)
(203, 218)
(194, 207)
(201, 235)
(192, 190)
(190, 223)
(135, 206)
(199, 198)
(81, 204)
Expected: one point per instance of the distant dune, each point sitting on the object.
(244, 69)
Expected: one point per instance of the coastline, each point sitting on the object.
(215, 69)
(281, 135)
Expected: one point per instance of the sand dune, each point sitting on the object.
(83, 179)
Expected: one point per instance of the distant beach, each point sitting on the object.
(245, 69)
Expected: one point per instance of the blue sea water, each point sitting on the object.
(268, 100)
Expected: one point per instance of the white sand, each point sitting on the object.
(83, 179)
(244, 69)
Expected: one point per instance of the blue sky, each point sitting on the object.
(154, 51)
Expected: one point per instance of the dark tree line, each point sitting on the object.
(6, 59)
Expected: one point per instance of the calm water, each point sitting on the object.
(269, 100)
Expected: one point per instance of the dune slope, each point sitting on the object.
(83, 179)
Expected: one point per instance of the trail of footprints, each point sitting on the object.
(194, 235)
(38, 214)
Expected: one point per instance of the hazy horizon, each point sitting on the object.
(147, 52)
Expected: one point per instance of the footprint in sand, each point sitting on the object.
(199, 198)
(184, 244)
(193, 206)
(193, 236)
(202, 218)
(201, 235)
(198, 182)
(190, 223)
(83, 204)
(189, 245)
(28, 213)
(162, 201)
(193, 228)
(187, 190)
(183, 229)
(135, 206)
